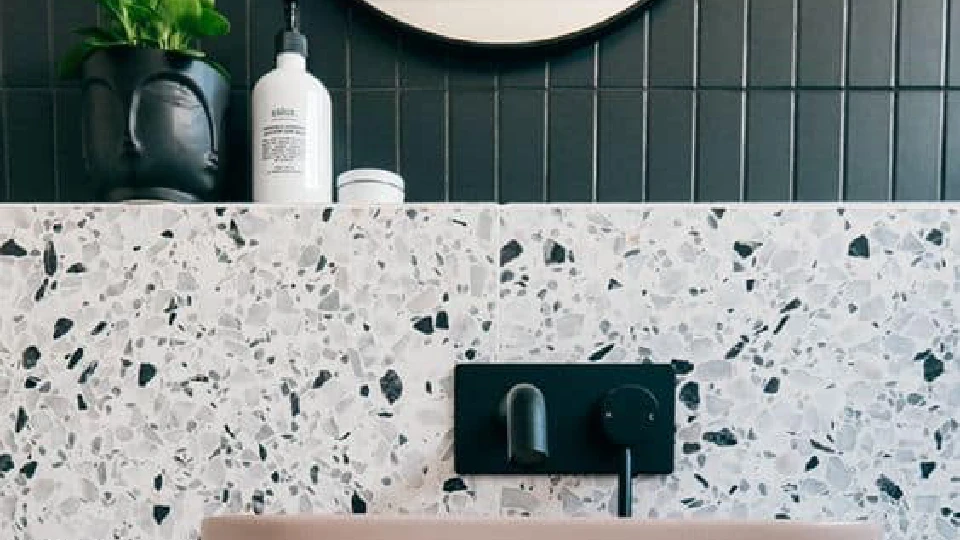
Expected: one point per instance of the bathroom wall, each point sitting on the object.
(707, 100)
(159, 364)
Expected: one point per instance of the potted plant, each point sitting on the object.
(153, 104)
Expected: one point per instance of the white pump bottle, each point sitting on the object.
(292, 126)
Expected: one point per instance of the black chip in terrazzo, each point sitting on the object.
(315, 473)
(724, 437)
(11, 249)
(690, 395)
(859, 247)
(822, 447)
(932, 366)
(262, 452)
(470, 354)
(100, 327)
(735, 350)
(81, 404)
(454, 484)
(31, 382)
(21, 421)
(76, 268)
(158, 482)
(87, 372)
(364, 390)
(167, 233)
(145, 374)
(259, 501)
(6, 463)
(424, 325)
(701, 479)
(234, 234)
(322, 378)
(31, 356)
(62, 327)
(935, 237)
(75, 358)
(681, 367)
(751, 283)
(792, 305)
(598, 354)
(926, 469)
(443, 321)
(327, 213)
(772, 386)
(29, 469)
(614, 284)
(392, 386)
(811, 464)
(781, 324)
(41, 291)
(294, 404)
(510, 251)
(160, 513)
(691, 447)
(554, 253)
(889, 487)
(50, 259)
(357, 504)
(745, 249)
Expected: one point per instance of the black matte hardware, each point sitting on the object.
(573, 397)
(628, 415)
(525, 415)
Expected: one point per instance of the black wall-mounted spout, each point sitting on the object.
(524, 412)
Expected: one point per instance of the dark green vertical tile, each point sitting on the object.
(821, 43)
(236, 157)
(422, 63)
(672, 39)
(670, 146)
(769, 146)
(470, 69)
(373, 138)
(522, 145)
(871, 42)
(3, 145)
(340, 131)
(68, 16)
(373, 51)
(721, 42)
(230, 50)
(574, 68)
(819, 127)
(422, 145)
(951, 186)
(31, 161)
(571, 146)
(622, 54)
(922, 42)
(621, 146)
(75, 185)
(953, 40)
(718, 149)
(472, 176)
(25, 47)
(868, 146)
(266, 18)
(523, 71)
(325, 23)
(771, 42)
(918, 146)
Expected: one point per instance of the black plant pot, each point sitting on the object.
(153, 125)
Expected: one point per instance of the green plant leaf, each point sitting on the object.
(211, 23)
(71, 63)
(178, 12)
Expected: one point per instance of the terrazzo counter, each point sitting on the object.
(159, 364)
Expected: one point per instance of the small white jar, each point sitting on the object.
(370, 186)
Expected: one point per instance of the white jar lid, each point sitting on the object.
(370, 176)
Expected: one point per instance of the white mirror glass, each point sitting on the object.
(504, 22)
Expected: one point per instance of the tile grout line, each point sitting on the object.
(594, 154)
(794, 54)
(894, 147)
(695, 106)
(55, 123)
(844, 102)
(944, 66)
(546, 133)
(496, 136)
(744, 101)
(645, 79)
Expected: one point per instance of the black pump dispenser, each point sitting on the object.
(290, 40)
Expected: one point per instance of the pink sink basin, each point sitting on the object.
(383, 528)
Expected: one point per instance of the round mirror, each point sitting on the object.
(505, 22)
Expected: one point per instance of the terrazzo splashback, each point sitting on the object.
(164, 363)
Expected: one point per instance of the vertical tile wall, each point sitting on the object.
(708, 100)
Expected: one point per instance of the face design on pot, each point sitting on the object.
(157, 132)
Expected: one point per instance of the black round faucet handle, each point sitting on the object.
(628, 414)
